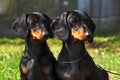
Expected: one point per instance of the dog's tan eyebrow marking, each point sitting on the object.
(36, 19)
(77, 18)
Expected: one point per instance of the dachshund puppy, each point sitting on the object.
(74, 62)
(37, 61)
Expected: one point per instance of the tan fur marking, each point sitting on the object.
(24, 70)
(36, 34)
(66, 75)
(80, 34)
(46, 70)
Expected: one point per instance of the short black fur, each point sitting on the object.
(74, 62)
(37, 61)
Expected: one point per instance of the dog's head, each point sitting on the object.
(35, 25)
(76, 24)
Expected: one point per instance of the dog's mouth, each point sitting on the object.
(37, 36)
(79, 34)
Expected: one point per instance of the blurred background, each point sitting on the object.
(105, 49)
(105, 13)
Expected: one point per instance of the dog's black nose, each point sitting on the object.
(87, 34)
(45, 34)
(87, 31)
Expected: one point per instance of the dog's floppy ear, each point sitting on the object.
(47, 22)
(60, 28)
(20, 28)
(91, 27)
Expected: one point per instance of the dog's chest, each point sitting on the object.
(70, 72)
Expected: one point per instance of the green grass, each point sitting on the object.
(105, 51)
(10, 54)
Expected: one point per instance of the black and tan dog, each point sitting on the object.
(74, 62)
(37, 61)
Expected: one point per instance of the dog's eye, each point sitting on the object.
(33, 23)
(44, 20)
(35, 19)
(75, 20)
